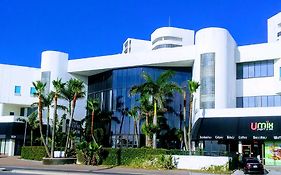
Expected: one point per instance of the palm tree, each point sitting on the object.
(192, 87)
(158, 90)
(47, 102)
(135, 115)
(40, 87)
(92, 106)
(33, 124)
(77, 88)
(58, 87)
(68, 94)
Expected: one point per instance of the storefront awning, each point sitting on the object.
(237, 128)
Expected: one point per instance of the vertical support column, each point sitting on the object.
(11, 147)
(239, 147)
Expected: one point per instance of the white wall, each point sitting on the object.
(199, 162)
(260, 86)
(136, 46)
(10, 76)
(273, 27)
(186, 35)
(7, 108)
(57, 63)
(220, 42)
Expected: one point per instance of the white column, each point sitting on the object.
(240, 147)
(11, 148)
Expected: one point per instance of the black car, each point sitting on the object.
(253, 165)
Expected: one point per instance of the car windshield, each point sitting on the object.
(252, 161)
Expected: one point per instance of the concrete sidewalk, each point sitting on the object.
(15, 163)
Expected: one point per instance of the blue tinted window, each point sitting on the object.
(17, 90)
(270, 101)
(257, 69)
(32, 91)
(270, 69)
(239, 102)
(245, 102)
(251, 101)
(239, 72)
(277, 101)
(245, 70)
(264, 101)
(258, 101)
(263, 68)
(251, 70)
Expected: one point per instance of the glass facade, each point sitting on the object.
(207, 80)
(112, 88)
(258, 101)
(255, 69)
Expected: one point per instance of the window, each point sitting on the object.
(263, 69)
(17, 90)
(255, 69)
(270, 101)
(22, 111)
(270, 68)
(32, 91)
(258, 101)
(166, 46)
(171, 38)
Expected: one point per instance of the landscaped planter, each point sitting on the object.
(58, 161)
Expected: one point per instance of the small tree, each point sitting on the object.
(78, 91)
(158, 90)
(192, 87)
(135, 115)
(92, 106)
(33, 124)
(58, 87)
(40, 88)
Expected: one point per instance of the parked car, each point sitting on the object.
(253, 165)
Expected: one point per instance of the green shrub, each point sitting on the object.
(138, 158)
(33, 152)
(80, 157)
(217, 169)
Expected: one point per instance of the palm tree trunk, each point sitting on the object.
(190, 123)
(41, 125)
(48, 125)
(184, 121)
(31, 137)
(92, 123)
(155, 124)
(146, 136)
(70, 123)
(121, 124)
(92, 126)
(54, 126)
(138, 130)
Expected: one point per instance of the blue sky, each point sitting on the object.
(85, 28)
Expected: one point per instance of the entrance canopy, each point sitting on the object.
(237, 128)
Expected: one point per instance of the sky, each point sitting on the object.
(88, 28)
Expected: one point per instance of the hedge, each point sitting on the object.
(33, 152)
(126, 156)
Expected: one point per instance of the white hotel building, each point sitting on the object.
(237, 107)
